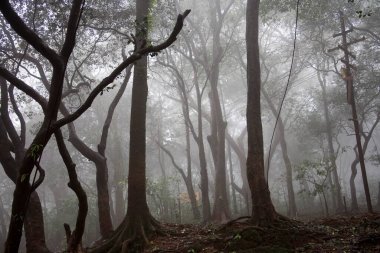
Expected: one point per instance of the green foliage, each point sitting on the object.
(35, 150)
(237, 236)
(23, 177)
(314, 172)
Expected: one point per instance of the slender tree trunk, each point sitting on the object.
(118, 182)
(354, 200)
(189, 176)
(292, 211)
(337, 190)
(262, 207)
(206, 207)
(289, 179)
(233, 192)
(216, 140)
(105, 221)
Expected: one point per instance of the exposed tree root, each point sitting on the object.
(231, 222)
(131, 236)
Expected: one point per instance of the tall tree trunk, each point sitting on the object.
(198, 137)
(132, 234)
(337, 190)
(262, 207)
(137, 210)
(218, 125)
(206, 207)
(189, 176)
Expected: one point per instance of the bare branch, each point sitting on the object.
(131, 59)
(23, 87)
(72, 27)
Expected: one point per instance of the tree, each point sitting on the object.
(51, 124)
(262, 208)
(138, 223)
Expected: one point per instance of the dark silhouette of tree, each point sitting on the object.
(263, 211)
(51, 124)
(138, 224)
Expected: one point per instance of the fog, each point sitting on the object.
(195, 128)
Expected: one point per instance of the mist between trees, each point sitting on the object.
(120, 116)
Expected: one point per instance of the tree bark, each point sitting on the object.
(34, 223)
(263, 211)
(221, 211)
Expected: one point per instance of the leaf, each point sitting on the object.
(23, 177)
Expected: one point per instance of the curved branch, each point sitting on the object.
(19, 115)
(72, 27)
(10, 128)
(131, 59)
(21, 85)
(28, 34)
(179, 169)
(75, 185)
(103, 140)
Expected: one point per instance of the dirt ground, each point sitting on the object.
(359, 233)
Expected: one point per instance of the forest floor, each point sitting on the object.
(360, 233)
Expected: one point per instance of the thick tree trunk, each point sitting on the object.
(262, 207)
(137, 204)
(138, 222)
